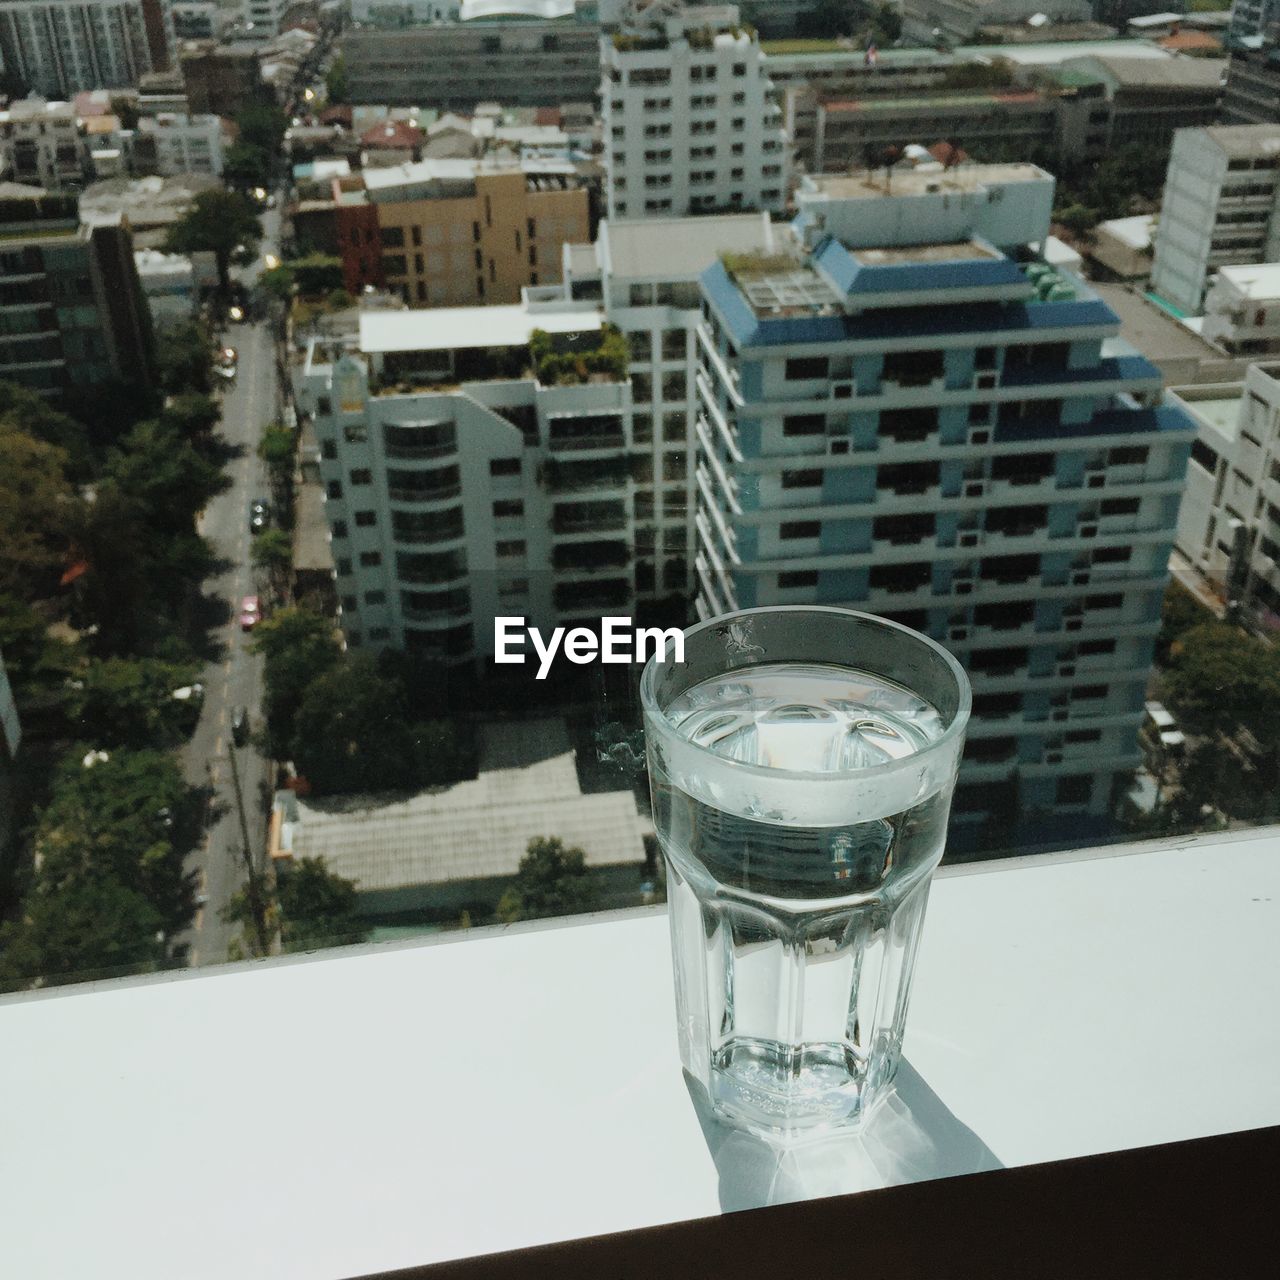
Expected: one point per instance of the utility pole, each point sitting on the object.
(257, 907)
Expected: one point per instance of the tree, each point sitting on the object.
(1222, 680)
(351, 734)
(184, 360)
(299, 646)
(336, 82)
(313, 275)
(120, 818)
(95, 928)
(1180, 612)
(317, 907)
(219, 222)
(276, 449)
(21, 407)
(193, 416)
(167, 479)
(128, 702)
(36, 506)
(262, 125)
(552, 881)
(246, 165)
(272, 552)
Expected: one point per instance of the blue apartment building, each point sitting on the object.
(912, 412)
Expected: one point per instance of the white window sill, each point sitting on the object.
(392, 1106)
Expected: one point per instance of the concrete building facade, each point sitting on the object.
(59, 47)
(916, 415)
(172, 143)
(74, 314)
(460, 232)
(41, 144)
(456, 66)
(1219, 208)
(691, 123)
(1229, 521)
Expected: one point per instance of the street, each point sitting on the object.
(235, 679)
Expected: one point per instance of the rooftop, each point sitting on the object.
(455, 328)
(1136, 232)
(679, 248)
(1131, 72)
(527, 788)
(870, 184)
(1261, 281)
(1216, 406)
(452, 1147)
(1244, 140)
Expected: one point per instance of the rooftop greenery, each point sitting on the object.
(558, 361)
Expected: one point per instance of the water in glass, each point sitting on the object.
(794, 943)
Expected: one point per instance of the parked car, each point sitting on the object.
(225, 362)
(190, 699)
(259, 515)
(239, 725)
(1161, 729)
(250, 613)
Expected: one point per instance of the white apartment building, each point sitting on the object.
(41, 144)
(173, 142)
(1242, 309)
(645, 272)
(59, 47)
(917, 414)
(1219, 208)
(467, 476)
(169, 285)
(690, 120)
(261, 20)
(1229, 520)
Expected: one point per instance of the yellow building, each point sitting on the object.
(464, 232)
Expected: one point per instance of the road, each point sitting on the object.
(235, 678)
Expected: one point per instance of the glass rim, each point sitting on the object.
(944, 741)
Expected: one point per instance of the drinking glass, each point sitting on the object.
(801, 763)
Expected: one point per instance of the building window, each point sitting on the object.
(800, 529)
(328, 449)
(1077, 789)
(343, 566)
(508, 508)
(375, 597)
(802, 479)
(370, 559)
(504, 467)
(794, 578)
(366, 519)
(338, 528)
(361, 475)
(1128, 456)
(1121, 506)
(515, 547)
(335, 489)
(806, 368)
(804, 424)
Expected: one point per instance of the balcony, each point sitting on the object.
(607, 1139)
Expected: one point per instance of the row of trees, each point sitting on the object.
(100, 622)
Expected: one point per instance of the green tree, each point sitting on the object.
(552, 881)
(262, 125)
(1077, 218)
(1222, 680)
(193, 416)
(336, 82)
(272, 552)
(119, 818)
(168, 480)
(299, 646)
(317, 907)
(184, 360)
(128, 702)
(219, 222)
(24, 408)
(246, 165)
(276, 449)
(351, 734)
(36, 506)
(1180, 612)
(75, 932)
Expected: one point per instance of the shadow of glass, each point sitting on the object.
(912, 1137)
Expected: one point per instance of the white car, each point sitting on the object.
(224, 363)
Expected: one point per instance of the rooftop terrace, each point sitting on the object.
(873, 185)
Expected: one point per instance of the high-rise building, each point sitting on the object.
(691, 123)
(59, 47)
(1252, 92)
(1219, 208)
(1252, 18)
(75, 316)
(913, 413)
(645, 272)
